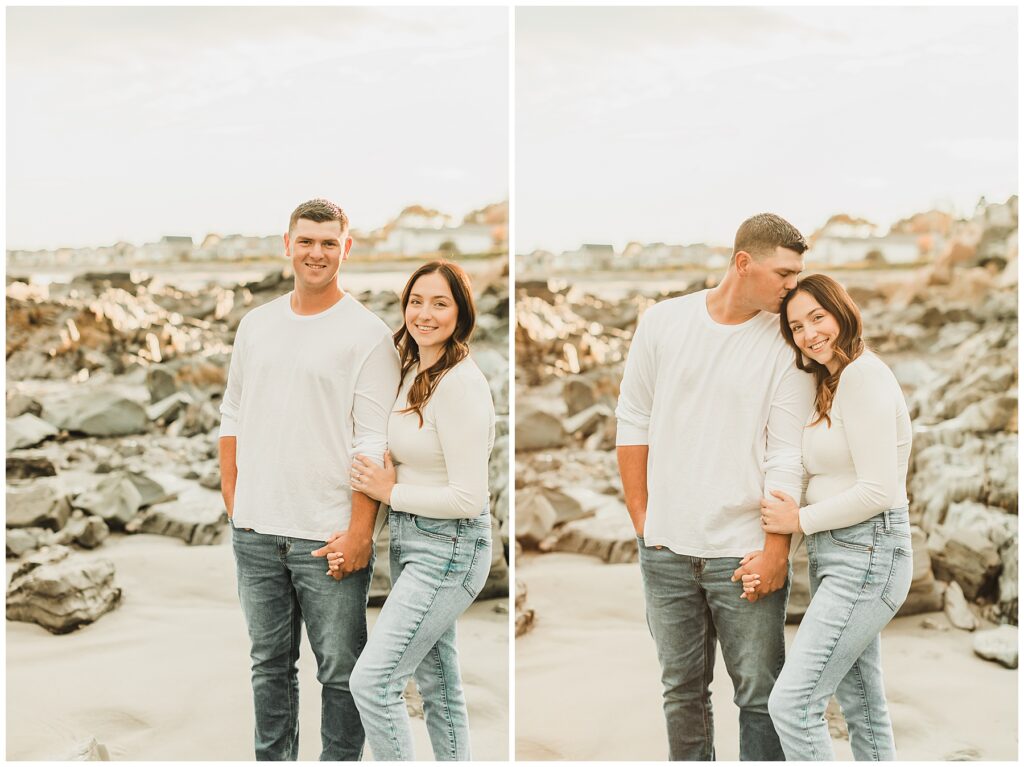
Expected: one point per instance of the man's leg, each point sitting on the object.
(335, 616)
(272, 615)
(754, 648)
(680, 622)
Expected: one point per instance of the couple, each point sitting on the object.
(717, 428)
(312, 438)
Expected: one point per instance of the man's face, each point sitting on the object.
(770, 278)
(316, 250)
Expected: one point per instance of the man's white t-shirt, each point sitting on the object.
(305, 394)
(722, 409)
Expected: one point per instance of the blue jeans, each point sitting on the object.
(691, 603)
(282, 587)
(860, 576)
(438, 566)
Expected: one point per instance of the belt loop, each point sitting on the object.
(888, 522)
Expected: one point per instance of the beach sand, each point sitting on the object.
(588, 680)
(166, 675)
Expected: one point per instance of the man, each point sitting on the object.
(312, 380)
(710, 416)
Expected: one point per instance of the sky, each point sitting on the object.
(676, 124)
(133, 123)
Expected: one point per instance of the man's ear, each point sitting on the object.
(347, 248)
(286, 245)
(743, 262)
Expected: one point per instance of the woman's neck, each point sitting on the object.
(428, 357)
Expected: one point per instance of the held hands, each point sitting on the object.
(346, 553)
(781, 516)
(761, 574)
(372, 480)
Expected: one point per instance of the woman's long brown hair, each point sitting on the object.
(833, 298)
(456, 348)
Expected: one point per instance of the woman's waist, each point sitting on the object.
(821, 487)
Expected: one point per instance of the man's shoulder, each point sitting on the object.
(264, 311)
(674, 308)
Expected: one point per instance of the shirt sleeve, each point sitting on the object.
(791, 406)
(463, 415)
(230, 405)
(636, 393)
(868, 408)
(374, 396)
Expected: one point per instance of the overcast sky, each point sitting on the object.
(675, 124)
(132, 123)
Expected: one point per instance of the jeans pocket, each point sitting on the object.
(859, 537)
(479, 567)
(897, 586)
(442, 529)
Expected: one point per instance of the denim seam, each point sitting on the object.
(412, 635)
(867, 710)
(897, 552)
(709, 667)
(453, 743)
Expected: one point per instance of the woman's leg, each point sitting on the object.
(444, 702)
(862, 696)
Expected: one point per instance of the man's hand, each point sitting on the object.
(346, 553)
(769, 574)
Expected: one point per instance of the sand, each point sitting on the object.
(588, 681)
(166, 675)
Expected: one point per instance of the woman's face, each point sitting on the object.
(815, 330)
(431, 314)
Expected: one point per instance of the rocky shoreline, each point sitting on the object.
(113, 390)
(948, 331)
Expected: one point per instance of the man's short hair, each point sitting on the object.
(319, 210)
(760, 235)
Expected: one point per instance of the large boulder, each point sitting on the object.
(61, 592)
(29, 466)
(21, 540)
(114, 499)
(84, 529)
(160, 382)
(198, 523)
(27, 430)
(98, 413)
(579, 394)
(608, 535)
(535, 517)
(967, 557)
(152, 492)
(538, 430)
(999, 645)
(36, 505)
(957, 609)
(18, 404)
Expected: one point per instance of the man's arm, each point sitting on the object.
(228, 472)
(633, 470)
(790, 408)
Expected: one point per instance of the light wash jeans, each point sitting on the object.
(282, 587)
(860, 576)
(438, 566)
(691, 604)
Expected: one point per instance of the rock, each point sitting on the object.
(92, 533)
(535, 517)
(608, 535)
(21, 540)
(992, 414)
(933, 625)
(579, 395)
(967, 557)
(160, 382)
(198, 418)
(498, 575)
(61, 592)
(1008, 581)
(114, 499)
(588, 421)
(524, 615)
(167, 409)
(957, 610)
(27, 430)
(999, 645)
(19, 404)
(36, 505)
(211, 479)
(152, 492)
(198, 523)
(538, 430)
(99, 413)
(29, 466)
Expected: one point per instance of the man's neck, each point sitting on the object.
(726, 305)
(307, 302)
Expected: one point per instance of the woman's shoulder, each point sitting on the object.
(867, 372)
(464, 378)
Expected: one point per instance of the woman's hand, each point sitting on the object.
(372, 480)
(781, 516)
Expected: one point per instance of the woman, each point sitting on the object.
(855, 451)
(434, 478)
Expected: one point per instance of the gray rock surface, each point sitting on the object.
(957, 609)
(18, 404)
(115, 499)
(538, 430)
(524, 615)
(60, 591)
(21, 540)
(36, 505)
(99, 413)
(29, 466)
(27, 430)
(160, 382)
(198, 523)
(998, 644)
(967, 557)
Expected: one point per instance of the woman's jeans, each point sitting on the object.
(438, 566)
(860, 576)
(281, 587)
(692, 604)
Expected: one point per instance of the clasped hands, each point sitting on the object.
(762, 575)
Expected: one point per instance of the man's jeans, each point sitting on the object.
(281, 586)
(691, 602)
(438, 566)
(860, 576)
